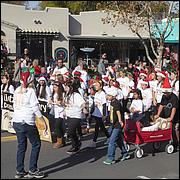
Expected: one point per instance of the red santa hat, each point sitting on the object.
(145, 81)
(26, 78)
(67, 75)
(97, 78)
(143, 73)
(161, 73)
(91, 82)
(77, 73)
(166, 86)
(52, 78)
(116, 84)
(42, 78)
(105, 79)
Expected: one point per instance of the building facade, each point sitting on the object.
(55, 33)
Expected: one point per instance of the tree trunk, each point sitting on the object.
(160, 54)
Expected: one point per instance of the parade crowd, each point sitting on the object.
(96, 96)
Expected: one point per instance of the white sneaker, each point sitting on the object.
(92, 144)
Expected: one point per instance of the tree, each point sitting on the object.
(144, 16)
(14, 2)
(75, 7)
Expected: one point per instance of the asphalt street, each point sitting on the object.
(88, 163)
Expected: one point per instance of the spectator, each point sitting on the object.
(60, 68)
(101, 65)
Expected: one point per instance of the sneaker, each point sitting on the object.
(109, 162)
(20, 175)
(37, 174)
(92, 144)
(73, 150)
(123, 158)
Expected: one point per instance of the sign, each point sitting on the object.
(45, 111)
(61, 53)
(7, 111)
(7, 114)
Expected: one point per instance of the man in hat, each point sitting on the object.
(169, 107)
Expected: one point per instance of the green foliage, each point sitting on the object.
(75, 7)
(15, 2)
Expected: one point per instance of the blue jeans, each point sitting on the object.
(24, 131)
(116, 137)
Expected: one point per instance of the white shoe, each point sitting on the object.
(92, 144)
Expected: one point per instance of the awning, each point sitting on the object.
(102, 37)
(38, 31)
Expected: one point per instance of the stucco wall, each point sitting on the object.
(51, 18)
(92, 24)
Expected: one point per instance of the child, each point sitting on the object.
(136, 107)
(116, 117)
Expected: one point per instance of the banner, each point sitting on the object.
(44, 110)
(7, 113)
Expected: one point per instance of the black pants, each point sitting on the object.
(73, 125)
(59, 127)
(99, 124)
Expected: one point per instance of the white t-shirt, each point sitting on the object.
(74, 108)
(99, 100)
(175, 87)
(158, 93)
(131, 85)
(58, 109)
(48, 92)
(147, 98)
(153, 84)
(124, 85)
(62, 70)
(137, 104)
(26, 106)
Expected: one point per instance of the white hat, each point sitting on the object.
(42, 78)
(112, 91)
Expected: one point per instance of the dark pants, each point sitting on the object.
(24, 131)
(99, 124)
(73, 125)
(59, 127)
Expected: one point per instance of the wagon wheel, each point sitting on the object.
(169, 148)
(127, 146)
(156, 145)
(139, 153)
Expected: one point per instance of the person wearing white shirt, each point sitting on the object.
(60, 68)
(74, 106)
(57, 107)
(153, 82)
(43, 90)
(147, 101)
(174, 83)
(136, 107)
(26, 108)
(100, 112)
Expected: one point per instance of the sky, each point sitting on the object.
(33, 4)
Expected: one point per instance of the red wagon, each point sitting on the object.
(134, 135)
